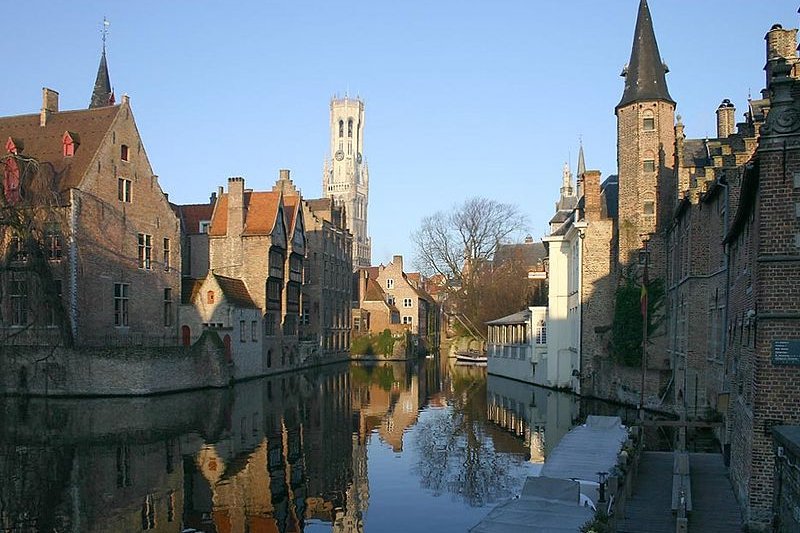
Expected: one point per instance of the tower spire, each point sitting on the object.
(103, 94)
(581, 162)
(645, 73)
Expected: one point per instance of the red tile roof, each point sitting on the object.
(261, 210)
(46, 143)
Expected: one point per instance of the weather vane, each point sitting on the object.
(104, 31)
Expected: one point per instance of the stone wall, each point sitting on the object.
(112, 371)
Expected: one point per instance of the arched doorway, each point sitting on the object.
(186, 336)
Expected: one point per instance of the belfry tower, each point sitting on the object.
(345, 178)
(645, 149)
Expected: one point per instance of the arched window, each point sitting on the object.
(186, 336)
(210, 297)
(648, 121)
(341, 128)
(350, 127)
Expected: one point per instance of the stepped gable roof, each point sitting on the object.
(319, 204)
(191, 215)
(520, 317)
(645, 75)
(261, 210)
(747, 199)
(45, 143)
(235, 292)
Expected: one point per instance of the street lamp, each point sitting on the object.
(602, 478)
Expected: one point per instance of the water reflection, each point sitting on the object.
(387, 447)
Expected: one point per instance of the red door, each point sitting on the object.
(186, 335)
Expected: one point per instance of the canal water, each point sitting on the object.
(410, 446)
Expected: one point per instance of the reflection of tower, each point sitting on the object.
(346, 175)
(357, 495)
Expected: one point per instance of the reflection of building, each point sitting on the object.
(537, 415)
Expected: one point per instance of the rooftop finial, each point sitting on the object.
(581, 162)
(104, 32)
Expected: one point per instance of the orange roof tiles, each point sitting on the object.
(261, 210)
(191, 215)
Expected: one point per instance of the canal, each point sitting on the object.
(407, 446)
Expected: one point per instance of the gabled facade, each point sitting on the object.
(249, 241)
(97, 261)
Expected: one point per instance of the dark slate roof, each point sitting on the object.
(645, 75)
(235, 292)
(560, 216)
(610, 191)
(102, 95)
(564, 227)
(45, 144)
(521, 317)
(532, 253)
(695, 153)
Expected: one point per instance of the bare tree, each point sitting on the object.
(459, 245)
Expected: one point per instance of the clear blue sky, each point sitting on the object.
(463, 97)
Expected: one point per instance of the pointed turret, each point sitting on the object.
(645, 73)
(581, 163)
(103, 94)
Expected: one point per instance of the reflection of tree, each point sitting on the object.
(455, 453)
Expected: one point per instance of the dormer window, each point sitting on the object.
(70, 142)
(123, 152)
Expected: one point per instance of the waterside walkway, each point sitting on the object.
(714, 506)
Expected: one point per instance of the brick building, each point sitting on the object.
(96, 259)
(328, 266)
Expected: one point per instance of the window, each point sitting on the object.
(69, 146)
(390, 283)
(210, 297)
(390, 300)
(123, 152)
(357, 323)
(540, 332)
(648, 121)
(168, 307)
(52, 241)
(269, 325)
(242, 331)
(305, 316)
(145, 250)
(19, 299)
(406, 320)
(166, 254)
(124, 190)
(350, 127)
(649, 208)
(121, 295)
(254, 331)
(407, 302)
(649, 165)
(19, 252)
(341, 129)
(205, 225)
(148, 513)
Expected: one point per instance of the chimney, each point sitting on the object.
(49, 105)
(397, 261)
(363, 276)
(283, 174)
(235, 206)
(213, 198)
(591, 195)
(725, 119)
(781, 45)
